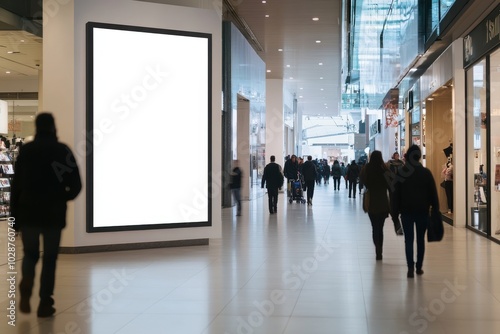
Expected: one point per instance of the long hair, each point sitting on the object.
(376, 159)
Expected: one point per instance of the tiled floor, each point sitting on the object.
(306, 270)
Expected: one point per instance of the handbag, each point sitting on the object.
(435, 228)
(366, 200)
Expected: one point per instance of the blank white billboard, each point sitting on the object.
(148, 128)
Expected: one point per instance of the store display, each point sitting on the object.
(6, 174)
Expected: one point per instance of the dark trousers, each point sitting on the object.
(352, 187)
(336, 182)
(237, 197)
(419, 220)
(378, 221)
(310, 189)
(448, 188)
(346, 186)
(31, 246)
(272, 193)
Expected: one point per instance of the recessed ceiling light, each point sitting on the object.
(268, 71)
(300, 96)
(22, 41)
(320, 78)
(318, 41)
(267, 15)
(10, 52)
(264, 1)
(320, 64)
(280, 50)
(326, 104)
(7, 72)
(301, 88)
(291, 78)
(315, 18)
(287, 65)
(322, 89)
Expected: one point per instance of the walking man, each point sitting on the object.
(273, 179)
(46, 177)
(310, 174)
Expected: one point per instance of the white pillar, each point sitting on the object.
(275, 142)
(459, 137)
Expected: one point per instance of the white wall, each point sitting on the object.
(64, 94)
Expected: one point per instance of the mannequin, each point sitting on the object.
(447, 174)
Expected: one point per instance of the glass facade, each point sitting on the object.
(248, 79)
(494, 182)
(483, 144)
(476, 145)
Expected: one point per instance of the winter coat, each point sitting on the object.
(46, 177)
(336, 171)
(415, 192)
(272, 177)
(374, 179)
(309, 171)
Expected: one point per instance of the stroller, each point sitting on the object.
(296, 193)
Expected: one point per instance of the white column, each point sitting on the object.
(275, 142)
(459, 138)
(57, 91)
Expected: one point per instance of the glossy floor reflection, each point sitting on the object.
(305, 270)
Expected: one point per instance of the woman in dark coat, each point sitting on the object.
(336, 174)
(373, 176)
(352, 177)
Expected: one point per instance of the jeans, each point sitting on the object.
(352, 187)
(310, 189)
(336, 182)
(272, 193)
(419, 220)
(237, 197)
(31, 245)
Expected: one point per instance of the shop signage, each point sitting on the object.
(375, 128)
(483, 38)
(14, 126)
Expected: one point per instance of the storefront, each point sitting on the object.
(482, 70)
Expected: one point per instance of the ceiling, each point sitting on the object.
(309, 63)
(20, 54)
(310, 60)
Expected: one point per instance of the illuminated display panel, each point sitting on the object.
(148, 128)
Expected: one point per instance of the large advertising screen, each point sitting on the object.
(148, 128)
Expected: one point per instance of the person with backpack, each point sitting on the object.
(336, 174)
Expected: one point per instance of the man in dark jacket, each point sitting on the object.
(46, 177)
(310, 173)
(415, 193)
(273, 179)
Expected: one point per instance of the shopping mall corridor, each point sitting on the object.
(305, 270)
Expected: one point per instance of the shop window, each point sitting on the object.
(477, 178)
(494, 181)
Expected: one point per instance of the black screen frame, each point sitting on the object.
(90, 228)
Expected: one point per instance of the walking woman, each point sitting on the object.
(337, 174)
(373, 176)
